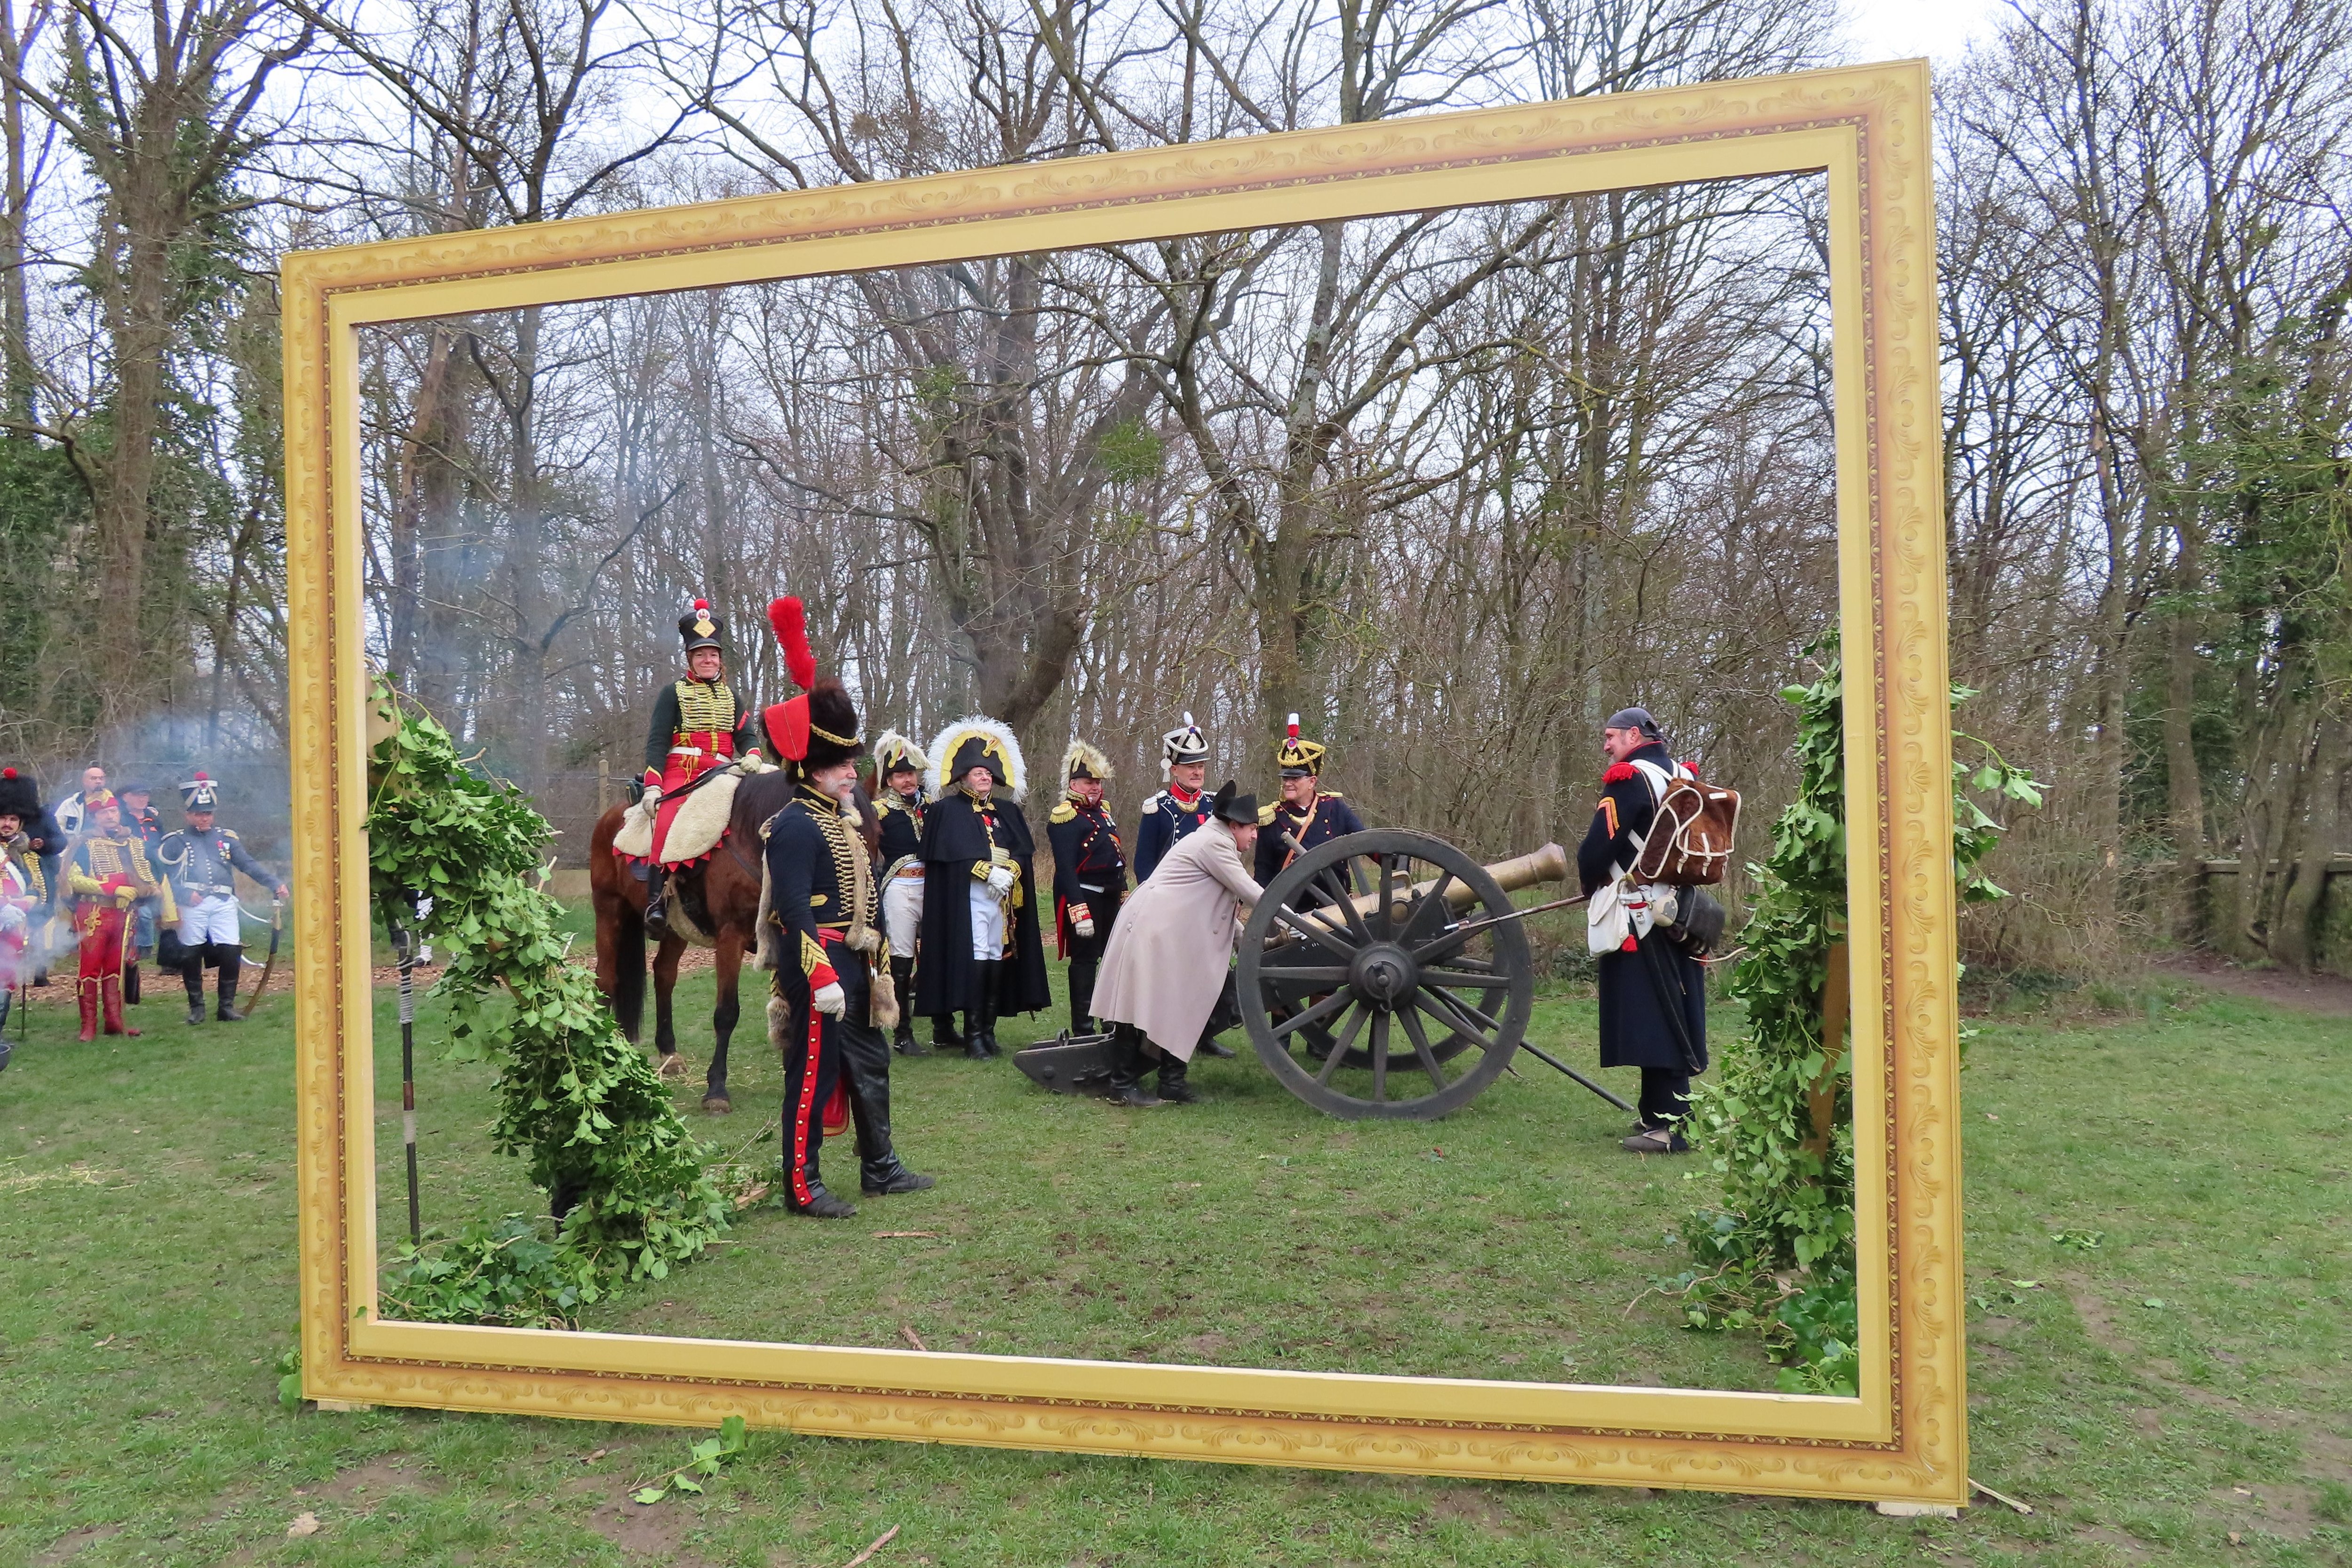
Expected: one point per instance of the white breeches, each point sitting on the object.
(902, 913)
(211, 918)
(987, 924)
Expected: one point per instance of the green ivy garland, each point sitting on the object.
(575, 1098)
(1777, 1256)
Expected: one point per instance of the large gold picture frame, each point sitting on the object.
(1903, 1440)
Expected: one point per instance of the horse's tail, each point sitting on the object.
(620, 929)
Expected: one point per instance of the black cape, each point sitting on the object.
(1638, 989)
(954, 840)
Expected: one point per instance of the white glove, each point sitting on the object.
(11, 917)
(650, 801)
(1082, 919)
(999, 879)
(830, 1000)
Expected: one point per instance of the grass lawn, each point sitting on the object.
(146, 1285)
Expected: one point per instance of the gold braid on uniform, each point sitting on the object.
(706, 706)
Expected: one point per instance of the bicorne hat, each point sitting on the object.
(199, 793)
(1300, 759)
(1085, 761)
(819, 727)
(20, 797)
(894, 753)
(1231, 806)
(699, 628)
(978, 742)
(1185, 744)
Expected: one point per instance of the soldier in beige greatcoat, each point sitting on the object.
(1168, 955)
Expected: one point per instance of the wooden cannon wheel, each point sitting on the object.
(1404, 1010)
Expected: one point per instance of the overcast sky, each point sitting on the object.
(1899, 29)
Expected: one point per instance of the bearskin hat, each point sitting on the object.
(699, 628)
(1299, 759)
(1085, 761)
(20, 797)
(1185, 744)
(820, 728)
(975, 743)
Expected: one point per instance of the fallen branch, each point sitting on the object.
(880, 1541)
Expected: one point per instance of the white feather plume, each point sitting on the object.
(943, 751)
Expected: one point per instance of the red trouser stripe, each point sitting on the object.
(801, 1194)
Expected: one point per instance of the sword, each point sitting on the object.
(276, 926)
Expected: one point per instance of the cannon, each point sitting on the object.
(1385, 974)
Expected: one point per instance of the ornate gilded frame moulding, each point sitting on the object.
(1904, 1439)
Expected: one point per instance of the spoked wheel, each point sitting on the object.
(1393, 1002)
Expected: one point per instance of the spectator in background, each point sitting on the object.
(71, 813)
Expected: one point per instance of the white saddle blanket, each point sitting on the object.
(694, 832)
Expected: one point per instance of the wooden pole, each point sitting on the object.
(1836, 1005)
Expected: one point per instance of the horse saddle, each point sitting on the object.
(695, 825)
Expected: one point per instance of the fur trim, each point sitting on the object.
(1079, 751)
(890, 744)
(635, 841)
(701, 821)
(790, 619)
(943, 751)
(780, 1026)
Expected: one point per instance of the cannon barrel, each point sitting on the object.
(1549, 864)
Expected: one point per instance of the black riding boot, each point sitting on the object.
(191, 975)
(1127, 1068)
(232, 965)
(902, 977)
(1173, 1086)
(980, 1014)
(822, 1204)
(1082, 996)
(657, 904)
(867, 1059)
(131, 983)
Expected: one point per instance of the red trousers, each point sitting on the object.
(101, 941)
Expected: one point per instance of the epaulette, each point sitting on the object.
(1328, 794)
(1066, 812)
(887, 804)
(1620, 772)
(1153, 804)
(228, 833)
(1265, 817)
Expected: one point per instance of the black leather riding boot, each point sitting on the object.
(1128, 1067)
(980, 1015)
(822, 1204)
(1173, 1086)
(131, 983)
(232, 965)
(657, 904)
(867, 1059)
(191, 975)
(1082, 996)
(902, 978)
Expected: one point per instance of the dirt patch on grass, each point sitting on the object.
(1469, 1505)
(363, 1486)
(2328, 995)
(66, 1547)
(658, 1531)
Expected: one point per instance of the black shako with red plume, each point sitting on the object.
(819, 729)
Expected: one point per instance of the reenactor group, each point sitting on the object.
(914, 895)
(99, 869)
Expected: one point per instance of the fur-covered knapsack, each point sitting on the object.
(1689, 841)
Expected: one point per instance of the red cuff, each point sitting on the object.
(821, 976)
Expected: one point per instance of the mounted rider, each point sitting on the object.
(198, 863)
(699, 722)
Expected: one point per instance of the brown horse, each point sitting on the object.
(719, 896)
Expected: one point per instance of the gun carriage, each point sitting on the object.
(1384, 975)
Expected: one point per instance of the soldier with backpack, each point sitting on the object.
(1653, 986)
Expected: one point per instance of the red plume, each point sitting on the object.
(791, 621)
